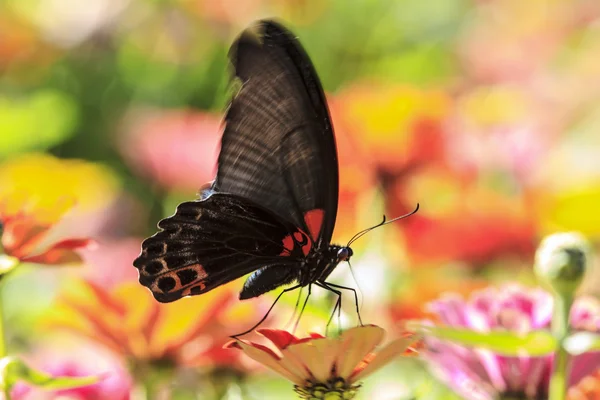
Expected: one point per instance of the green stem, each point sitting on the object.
(6, 388)
(2, 335)
(560, 330)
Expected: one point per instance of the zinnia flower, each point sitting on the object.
(176, 149)
(127, 320)
(37, 191)
(482, 375)
(399, 127)
(450, 229)
(587, 389)
(322, 367)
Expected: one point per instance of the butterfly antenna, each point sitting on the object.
(384, 222)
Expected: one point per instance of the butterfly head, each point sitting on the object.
(344, 254)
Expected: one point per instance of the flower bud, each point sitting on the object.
(561, 261)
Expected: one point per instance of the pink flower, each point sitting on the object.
(116, 253)
(322, 366)
(178, 149)
(114, 384)
(482, 375)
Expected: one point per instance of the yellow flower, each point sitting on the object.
(322, 367)
(45, 187)
(36, 191)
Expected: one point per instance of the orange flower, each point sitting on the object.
(461, 220)
(322, 367)
(357, 177)
(22, 234)
(129, 321)
(587, 389)
(36, 193)
(398, 126)
(426, 286)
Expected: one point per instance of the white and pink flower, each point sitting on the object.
(479, 374)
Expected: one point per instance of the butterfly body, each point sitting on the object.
(272, 207)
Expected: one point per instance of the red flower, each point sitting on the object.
(23, 234)
(461, 221)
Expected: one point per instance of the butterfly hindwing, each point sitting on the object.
(210, 242)
(278, 148)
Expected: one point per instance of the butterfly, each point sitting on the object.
(271, 210)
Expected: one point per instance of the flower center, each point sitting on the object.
(518, 395)
(333, 389)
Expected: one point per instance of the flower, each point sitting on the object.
(22, 234)
(587, 389)
(481, 374)
(486, 227)
(398, 126)
(69, 360)
(127, 319)
(32, 203)
(178, 149)
(561, 262)
(117, 253)
(322, 367)
(424, 286)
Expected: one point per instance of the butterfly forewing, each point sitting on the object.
(274, 200)
(208, 243)
(278, 148)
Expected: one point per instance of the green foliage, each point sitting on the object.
(35, 121)
(538, 343)
(13, 370)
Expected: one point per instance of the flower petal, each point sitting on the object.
(280, 338)
(383, 357)
(20, 236)
(327, 351)
(356, 344)
(266, 357)
(61, 252)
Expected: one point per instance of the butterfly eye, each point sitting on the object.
(344, 253)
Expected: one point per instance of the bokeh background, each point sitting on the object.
(486, 112)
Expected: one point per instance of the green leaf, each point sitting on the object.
(582, 342)
(507, 343)
(36, 122)
(13, 370)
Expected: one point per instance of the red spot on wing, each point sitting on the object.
(290, 241)
(314, 222)
(288, 246)
(306, 248)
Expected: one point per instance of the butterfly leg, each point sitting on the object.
(303, 307)
(337, 307)
(355, 298)
(295, 307)
(269, 311)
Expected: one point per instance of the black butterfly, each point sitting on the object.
(272, 207)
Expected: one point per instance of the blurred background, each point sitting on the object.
(486, 112)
